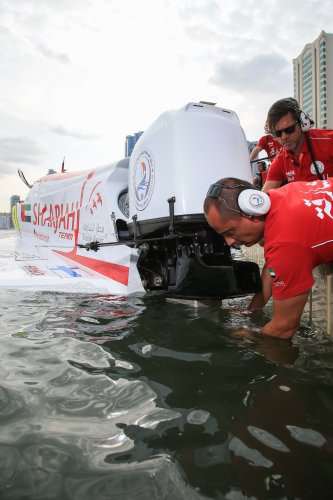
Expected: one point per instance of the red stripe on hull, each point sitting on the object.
(115, 272)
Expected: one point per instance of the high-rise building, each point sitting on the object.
(5, 220)
(250, 146)
(313, 80)
(130, 142)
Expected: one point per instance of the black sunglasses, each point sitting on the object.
(287, 130)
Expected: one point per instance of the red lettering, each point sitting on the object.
(70, 217)
(66, 236)
(51, 215)
(40, 215)
(62, 220)
(35, 214)
(56, 218)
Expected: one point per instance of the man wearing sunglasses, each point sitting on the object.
(306, 155)
(296, 223)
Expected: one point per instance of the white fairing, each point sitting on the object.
(180, 155)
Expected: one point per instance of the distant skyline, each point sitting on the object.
(78, 76)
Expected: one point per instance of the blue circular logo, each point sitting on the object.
(143, 179)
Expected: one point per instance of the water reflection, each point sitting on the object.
(102, 397)
(252, 397)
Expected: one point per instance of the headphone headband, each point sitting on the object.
(302, 117)
(214, 190)
(251, 202)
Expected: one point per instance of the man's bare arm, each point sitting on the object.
(261, 298)
(286, 316)
(255, 151)
(270, 185)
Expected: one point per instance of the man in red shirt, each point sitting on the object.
(267, 143)
(296, 222)
(306, 155)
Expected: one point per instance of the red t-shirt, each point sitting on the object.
(269, 144)
(264, 176)
(288, 167)
(298, 235)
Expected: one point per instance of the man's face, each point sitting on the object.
(292, 141)
(238, 230)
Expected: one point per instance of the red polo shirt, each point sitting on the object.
(288, 167)
(298, 235)
(264, 176)
(269, 144)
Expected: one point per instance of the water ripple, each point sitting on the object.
(68, 408)
(105, 397)
(267, 438)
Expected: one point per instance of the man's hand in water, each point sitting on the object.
(277, 350)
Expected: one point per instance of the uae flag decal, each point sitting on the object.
(26, 213)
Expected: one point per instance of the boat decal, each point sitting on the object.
(115, 272)
(95, 199)
(58, 216)
(41, 236)
(143, 179)
(69, 272)
(26, 212)
(33, 270)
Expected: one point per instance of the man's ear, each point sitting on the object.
(253, 218)
(258, 218)
(246, 216)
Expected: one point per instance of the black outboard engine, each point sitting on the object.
(195, 265)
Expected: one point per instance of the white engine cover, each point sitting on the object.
(181, 154)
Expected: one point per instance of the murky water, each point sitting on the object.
(139, 398)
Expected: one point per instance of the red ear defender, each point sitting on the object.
(254, 202)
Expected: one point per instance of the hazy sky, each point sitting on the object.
(77, 76)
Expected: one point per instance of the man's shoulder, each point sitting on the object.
(262, 141)
(317, 133)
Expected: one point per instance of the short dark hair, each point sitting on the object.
(281, 108)
(227, 203)
(263, 163)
